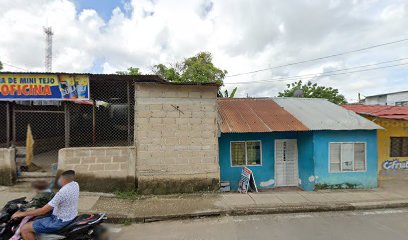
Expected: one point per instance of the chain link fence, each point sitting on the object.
(45, 125)
(45, 122)
(106, 120)
(3, 124)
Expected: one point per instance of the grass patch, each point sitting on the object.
(325, 186)
(127, 195)
(127, 222)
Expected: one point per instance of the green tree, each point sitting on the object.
(196, 69)
(1, 65)
(312, 90)
(226, 94)
(130, 71)
(171, 73)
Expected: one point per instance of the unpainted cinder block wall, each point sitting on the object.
(104, 169)
(176, 138)
(7, 166)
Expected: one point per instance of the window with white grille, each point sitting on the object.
(246, 153)
(347, 157)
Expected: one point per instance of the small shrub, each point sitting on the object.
(127, 194)
(127, 222)
(323, 186)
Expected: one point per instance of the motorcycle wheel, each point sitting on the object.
(6, 235)
(101, 233)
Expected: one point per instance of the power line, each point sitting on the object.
(10, 65)
(338, 70)
(320, 58)
(317, 75)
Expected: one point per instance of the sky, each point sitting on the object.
(104, 36)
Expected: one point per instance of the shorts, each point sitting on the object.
(49, 224)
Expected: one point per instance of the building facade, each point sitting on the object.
(132, 132)
(176, 138)
(392, 99)
(306, 143)
(392, 139)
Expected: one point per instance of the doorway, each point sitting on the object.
(286, 163)
(47, 130)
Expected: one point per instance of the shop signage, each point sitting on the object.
(395, 164)
(43, 87)
(247, 181)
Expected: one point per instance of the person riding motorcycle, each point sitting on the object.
(42, 197)
(64, 207)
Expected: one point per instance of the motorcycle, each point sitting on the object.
(83, 227)
(6, 223)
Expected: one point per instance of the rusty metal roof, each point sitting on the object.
(255, 115)
(381, 111)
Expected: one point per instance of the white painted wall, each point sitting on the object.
(387, 99)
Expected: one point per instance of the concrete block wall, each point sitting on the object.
(104, 169)
(7, 166)
(176, 138)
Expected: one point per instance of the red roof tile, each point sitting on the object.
(255, 115)
(381, 111)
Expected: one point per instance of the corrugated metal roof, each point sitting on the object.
(100, 76)
(381, 111)
(143, 78)
(187, 83)
(255, 115)
(131, 78)
(320, 114)
(390, 93)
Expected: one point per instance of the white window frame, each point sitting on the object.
(341, 160)
(246, 155)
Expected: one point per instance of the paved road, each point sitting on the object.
(372, 225)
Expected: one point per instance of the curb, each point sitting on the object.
(120, 219)
(337, 207)
(292, 209)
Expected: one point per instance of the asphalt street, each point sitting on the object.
(373, 225)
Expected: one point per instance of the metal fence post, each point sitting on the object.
(13, 109)
(67, 124)
(94, 122)
(8, 124)
(128, 120)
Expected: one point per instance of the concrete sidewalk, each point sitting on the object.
(156, 208)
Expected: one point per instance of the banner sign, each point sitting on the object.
(247, 181)
(44, 87)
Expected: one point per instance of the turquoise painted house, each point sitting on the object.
(296, 142)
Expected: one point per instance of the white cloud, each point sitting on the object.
(242, 35)
(394, 11)
(107, 68)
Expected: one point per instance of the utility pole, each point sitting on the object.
(48, 48)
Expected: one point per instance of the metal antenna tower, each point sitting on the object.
(48, 48)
